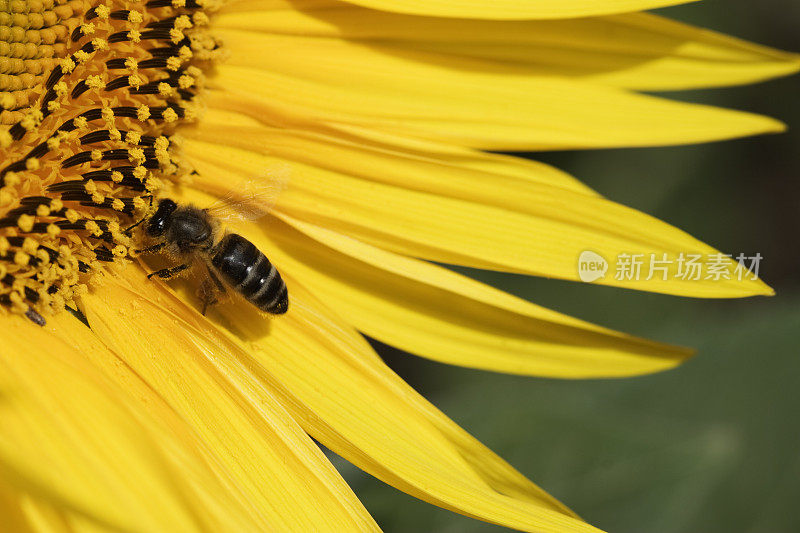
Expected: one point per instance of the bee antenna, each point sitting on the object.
(128, 230)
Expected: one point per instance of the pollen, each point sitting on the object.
(25, 223)
(143, 113)
(136, 155)
(102, 12)
(21, 258)
(90, 96)
(134, 17)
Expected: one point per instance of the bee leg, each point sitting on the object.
(166, 273)
(220, 286)
(151, 249)
(209, 300)
(207, 295)
(209, 289)
(35, 317)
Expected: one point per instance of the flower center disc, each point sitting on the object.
(90, 96)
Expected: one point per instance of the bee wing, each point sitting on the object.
(253, 199)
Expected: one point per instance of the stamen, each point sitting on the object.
(91, 92)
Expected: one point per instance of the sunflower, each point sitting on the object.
(135, 412)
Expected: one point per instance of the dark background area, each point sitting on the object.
(713, 445)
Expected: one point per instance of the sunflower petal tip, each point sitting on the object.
(760, 288)
(761, 125)
(757, 288)
(775, 126)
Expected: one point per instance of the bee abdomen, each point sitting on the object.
(249, 271)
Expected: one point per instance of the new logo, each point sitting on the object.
(591, 266)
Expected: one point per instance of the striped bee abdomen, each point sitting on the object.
(246, 269)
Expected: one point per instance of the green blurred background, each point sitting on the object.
(712, 446)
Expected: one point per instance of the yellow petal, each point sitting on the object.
(12, 514)
(368, 422)
(438, 168)
(215, 490)
(436, 313)
(370, 418)
(631, 50)
(545, 237)
(66, 437)
(277, 468)
(43, 517)
(497, 9)
(433, 312)
(331, 81)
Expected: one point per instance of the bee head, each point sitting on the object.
(160, 220)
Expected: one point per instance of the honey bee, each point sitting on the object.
(194, 235)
